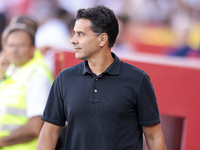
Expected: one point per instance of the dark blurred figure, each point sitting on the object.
(2, 25)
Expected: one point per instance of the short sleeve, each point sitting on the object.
(36, 95)
(147, 107)
(54, 109)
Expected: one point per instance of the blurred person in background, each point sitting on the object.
(108, 103)
(33, 24)
(186, 28)
(53, 32)
(24, 88)
(2, 26)
(30, 22)
(52, 36)
(39, 54)
(26, 20)
(122, 47)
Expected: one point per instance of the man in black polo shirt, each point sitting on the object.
(107, 103)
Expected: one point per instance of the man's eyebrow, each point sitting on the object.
(79, 32)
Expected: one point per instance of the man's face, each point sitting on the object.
(18, 48)
(86, 43)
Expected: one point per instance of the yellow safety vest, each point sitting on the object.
(13, 100)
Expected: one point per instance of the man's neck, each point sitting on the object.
(99, 65)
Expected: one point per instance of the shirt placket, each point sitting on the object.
(95, 92)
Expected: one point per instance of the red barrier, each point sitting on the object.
(147, 48)
(177, 91)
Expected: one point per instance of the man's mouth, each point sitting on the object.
(77, 48)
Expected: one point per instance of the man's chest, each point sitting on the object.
(99, 96)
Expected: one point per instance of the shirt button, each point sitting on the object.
(95, 90)
(96, 78)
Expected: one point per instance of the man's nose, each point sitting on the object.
(74, 40)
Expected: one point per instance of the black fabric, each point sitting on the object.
(104, 112)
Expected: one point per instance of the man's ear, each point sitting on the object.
(103, 39)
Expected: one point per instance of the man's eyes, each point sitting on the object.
(80, 34)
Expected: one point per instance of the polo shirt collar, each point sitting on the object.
(113, 69)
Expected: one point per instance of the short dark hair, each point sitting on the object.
(103, 21)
